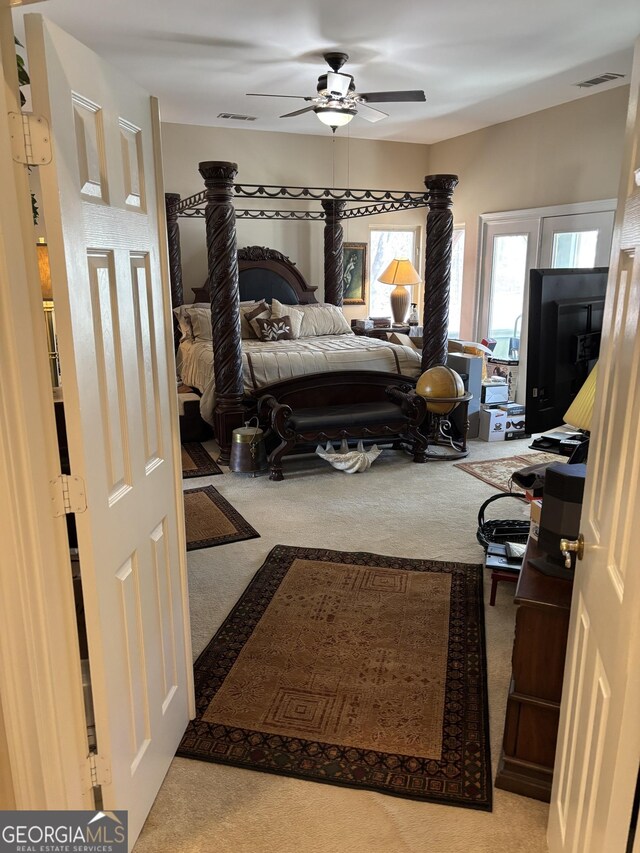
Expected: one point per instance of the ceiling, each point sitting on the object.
(479, 63)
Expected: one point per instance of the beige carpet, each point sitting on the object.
(396, 508)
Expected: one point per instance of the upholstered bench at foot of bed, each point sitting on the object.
(399, 416)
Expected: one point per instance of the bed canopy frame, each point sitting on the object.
(216, 205)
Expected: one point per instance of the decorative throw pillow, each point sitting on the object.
(294, 315)
(321, 320)
(261, 311)
(275, 328)
(247, 313)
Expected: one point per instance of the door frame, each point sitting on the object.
(40, 675)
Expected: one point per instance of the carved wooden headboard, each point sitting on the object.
(266, 274)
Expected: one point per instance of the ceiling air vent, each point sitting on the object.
(601, 78)
(236, 117)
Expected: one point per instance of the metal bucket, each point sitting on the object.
(248, 454)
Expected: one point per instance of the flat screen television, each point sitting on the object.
(566, 308)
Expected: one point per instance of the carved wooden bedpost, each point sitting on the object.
(437, 274)
(222, 256)
(333, 237)
(175, 257)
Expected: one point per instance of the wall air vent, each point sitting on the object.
(236, 117)
(601, 78)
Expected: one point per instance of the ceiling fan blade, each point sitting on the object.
(371, 113)
(297, 112)
(262, 95)
(391, 97)
(338, 84)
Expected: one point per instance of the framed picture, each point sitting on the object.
(354, 273)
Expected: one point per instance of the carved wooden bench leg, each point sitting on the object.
(420, 444)
(275, 459)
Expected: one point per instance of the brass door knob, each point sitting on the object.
(569, 546)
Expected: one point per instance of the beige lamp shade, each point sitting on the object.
(401, 274)
(580, 412)
(45, 271)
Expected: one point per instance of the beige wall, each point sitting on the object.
(570, 153)
(293, 160)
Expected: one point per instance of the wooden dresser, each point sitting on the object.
(533, 705)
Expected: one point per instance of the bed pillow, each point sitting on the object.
(294, 315)
(321, 320)
(201, 323)
(274, 328)
(261, 311)
(194, 321)
(247, 333)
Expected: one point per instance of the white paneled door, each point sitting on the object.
(598, 752)
(102, 203)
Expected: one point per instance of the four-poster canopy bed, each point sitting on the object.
(256, 273)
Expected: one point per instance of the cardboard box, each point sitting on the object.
(492, 424)
(494, 393)
(536, 513)
(506, 368)
(512, 408)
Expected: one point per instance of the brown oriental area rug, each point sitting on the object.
(196, 461)
(498, 472)
(211, 520)
(352, 669)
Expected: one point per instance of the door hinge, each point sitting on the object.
(67, 495)
(30, 139)
(99, 771)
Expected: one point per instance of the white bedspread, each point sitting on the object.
(266, 362)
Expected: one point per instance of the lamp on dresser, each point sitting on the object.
(401, 274)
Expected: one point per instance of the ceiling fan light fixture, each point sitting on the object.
(335, 117)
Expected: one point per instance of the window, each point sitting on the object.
(385, 246)
(455, 292)
(574, 249)
(508, 275)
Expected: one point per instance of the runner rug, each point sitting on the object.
(211, 520)
(196, 461)
(498, 472)
(352, 669)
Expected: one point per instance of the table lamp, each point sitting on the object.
(401, 273)
(580, 413)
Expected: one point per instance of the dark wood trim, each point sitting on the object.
(333, 247)
(222, 257)
(437, 274)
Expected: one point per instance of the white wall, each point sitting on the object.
(290, 160)
(570, 153)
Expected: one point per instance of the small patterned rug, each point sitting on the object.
(498, 472)
(197, 462)
(211, 520)
(352, 669)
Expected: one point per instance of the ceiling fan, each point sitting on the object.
(337, 101)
